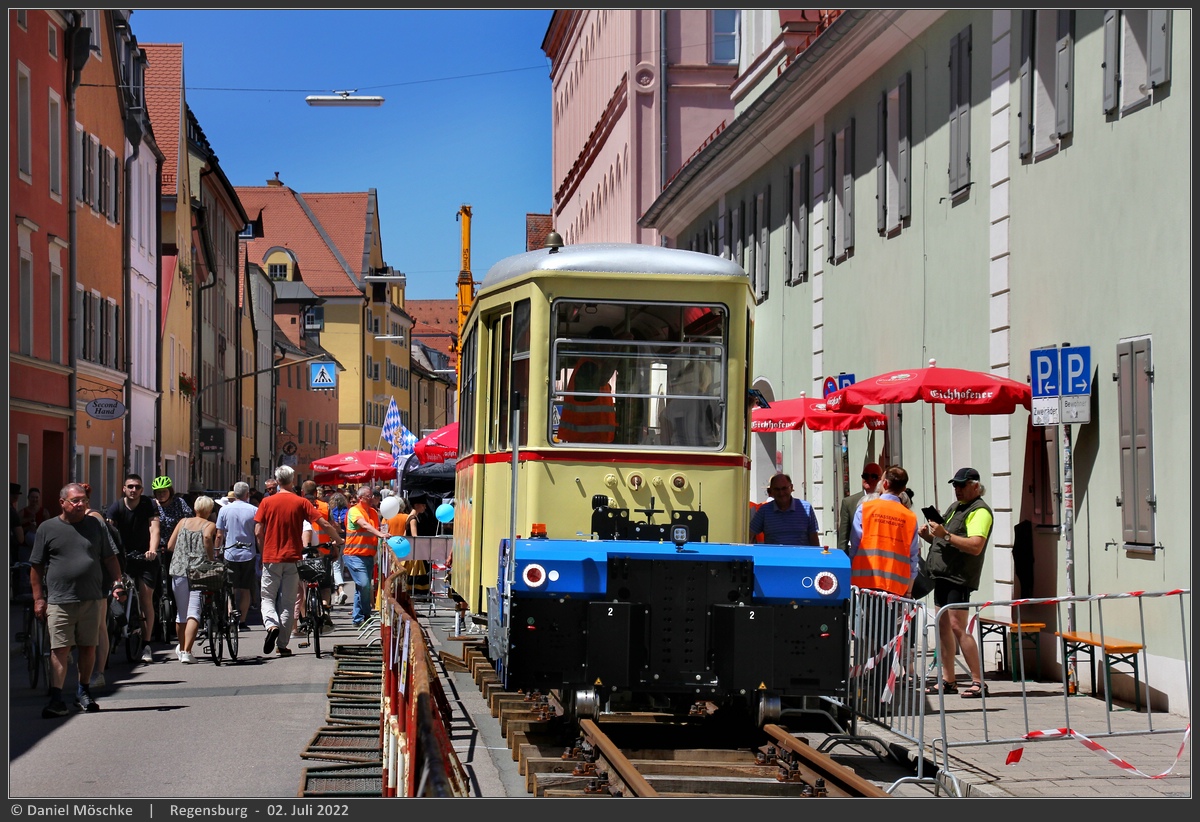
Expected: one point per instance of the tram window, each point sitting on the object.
(660, 370)
(466, 411)
(520, 364)
(502, 345)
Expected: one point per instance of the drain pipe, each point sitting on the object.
(77, 40)
(662, 108)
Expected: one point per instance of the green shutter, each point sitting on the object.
(1158, 47)
(904, 148)
(881, 164)
(1064, 59)
(1025, 88)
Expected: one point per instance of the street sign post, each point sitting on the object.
(1062, 394)
(830, 386)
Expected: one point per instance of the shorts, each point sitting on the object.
(241, 574)
(74, 623)
(948, 592)
(148, 571)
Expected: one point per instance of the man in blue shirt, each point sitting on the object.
(786, 521)
(235, 533)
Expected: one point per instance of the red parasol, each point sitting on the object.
(354, 466)
(960, 391)
(440, 446)
(811, 413)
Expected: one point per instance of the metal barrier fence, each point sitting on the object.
(893, 662)
(418, 757)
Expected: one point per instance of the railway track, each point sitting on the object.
(654, 755)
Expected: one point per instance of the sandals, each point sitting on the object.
(975, 690)
(946, 687)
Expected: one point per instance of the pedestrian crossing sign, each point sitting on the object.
(322, 375)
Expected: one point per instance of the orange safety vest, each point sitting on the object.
(323, 541)
(881, 562)
(359, 542)
(587, 419)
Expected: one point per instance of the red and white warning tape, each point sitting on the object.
(1014, 756)
(1016, 603)
(893, 645)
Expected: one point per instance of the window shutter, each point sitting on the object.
(1064, 68)
(116, 189)
(765, 243)
(1158, 47)
(848, 188)
(1025, 100)
(960, 110)
(881, 164)
(1142, 445)
(1135, 437)
(904, 147)
(727, 240)
(105, 333)
(1111, 44)
(802, 197)
(117, 360)
(830, 201)
(78, 311)
(77, 167)
(789, 228)
(955, 127)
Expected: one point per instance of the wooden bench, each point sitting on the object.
(1012, 635)
(1115, 651)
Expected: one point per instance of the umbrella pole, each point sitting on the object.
(804, 461)
(933, 428)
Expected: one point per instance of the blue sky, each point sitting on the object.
(466, 118)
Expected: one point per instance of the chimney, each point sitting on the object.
(276, 182)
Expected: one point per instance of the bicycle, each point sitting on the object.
(125, 621)
(34, 636)
(234, 616)
(218, 630)
(165, 615)
(316, 573)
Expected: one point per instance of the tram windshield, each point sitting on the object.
(650, 375)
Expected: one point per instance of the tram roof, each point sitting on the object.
(612, 258)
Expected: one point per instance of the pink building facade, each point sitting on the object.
(635, 94)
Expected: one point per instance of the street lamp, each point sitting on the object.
(343, 98)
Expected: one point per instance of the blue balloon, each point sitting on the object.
(400, 546)
(445, 512)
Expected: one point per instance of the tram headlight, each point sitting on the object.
(825, 583)
(534, 575)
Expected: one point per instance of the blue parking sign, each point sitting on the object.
(1043, 365)
(1076, 371)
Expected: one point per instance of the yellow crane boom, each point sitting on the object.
(466, 286)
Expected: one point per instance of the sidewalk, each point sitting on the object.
(980, 734)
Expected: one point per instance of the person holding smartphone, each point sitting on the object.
(957, 546)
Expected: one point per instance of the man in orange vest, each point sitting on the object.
(362, 541)
(588, 418)
(884, 549)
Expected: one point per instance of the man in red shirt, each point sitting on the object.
(279, 531)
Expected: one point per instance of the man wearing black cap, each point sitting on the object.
(955, 563)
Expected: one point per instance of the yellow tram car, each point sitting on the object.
(626, 370)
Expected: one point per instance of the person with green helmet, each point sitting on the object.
(171, 507)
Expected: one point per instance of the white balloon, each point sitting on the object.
(389, 507)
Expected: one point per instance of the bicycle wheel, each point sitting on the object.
(32, 657)
(165, 615)
(41, 652)
(212, 625)
(312, 607)
(134, 641)
(231, 628)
